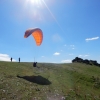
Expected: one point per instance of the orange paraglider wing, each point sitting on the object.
(36, 33)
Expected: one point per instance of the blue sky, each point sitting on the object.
(70, 28)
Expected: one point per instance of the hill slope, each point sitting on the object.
(22, 81)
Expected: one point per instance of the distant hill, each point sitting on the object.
(86, 61)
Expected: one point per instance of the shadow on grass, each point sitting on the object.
(36, 79)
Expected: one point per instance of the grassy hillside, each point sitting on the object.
(22, 81)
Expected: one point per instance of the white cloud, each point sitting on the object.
(56, 54)
(66, 61)
(5, 57)
(90, 39)
(84, 55)
(72, 46)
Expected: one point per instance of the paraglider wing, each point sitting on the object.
(36, 33)
(27, 33)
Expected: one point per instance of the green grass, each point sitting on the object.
(22, 81)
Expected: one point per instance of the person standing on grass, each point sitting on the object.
(11, 59)
(19, 60)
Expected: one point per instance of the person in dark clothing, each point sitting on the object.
(19, 60)
(34, 64)
(11, 59)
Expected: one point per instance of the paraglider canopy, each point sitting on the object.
(36, 33)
